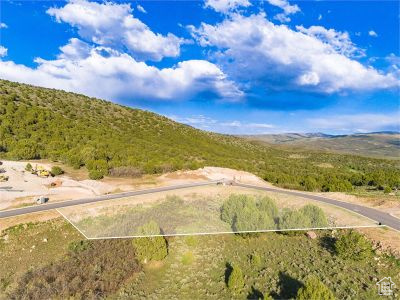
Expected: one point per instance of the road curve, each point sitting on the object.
(376, 215)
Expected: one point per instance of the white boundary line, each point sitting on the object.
(249, 231)
(72, 224)
(229, 232)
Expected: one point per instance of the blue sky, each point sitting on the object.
(231, 66)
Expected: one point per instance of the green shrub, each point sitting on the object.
(244, 213)
(56, 170)
(310, 184)
(96, 175)
(314, 289)
(188, 258)
(28, 167)
(231, 206)
(150, 248)
(255, 261)
(268, 206)
(353, 245)
(191, 240)
(315, 214)
(236, 280)
(267, 297)
(293, 219)
(79, 246)
(387, 190)
(252, 219)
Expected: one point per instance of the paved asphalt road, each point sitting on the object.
(376, 215)
(55, 205)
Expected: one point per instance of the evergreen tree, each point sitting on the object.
(236, 280)
(353, 245)
(150, 248)
(314, 289)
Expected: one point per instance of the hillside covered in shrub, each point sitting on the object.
(107, 138)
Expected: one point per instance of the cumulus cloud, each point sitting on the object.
(255, 50)
(287, 8)
(106, 73)
(113, 25)
(226, 6)
(372, 33)
(357, 123)
(3, 25)
(340, 41)
(3, 51)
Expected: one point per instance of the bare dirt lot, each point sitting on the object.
(23, 188)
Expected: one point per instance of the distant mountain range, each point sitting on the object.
(382, 144)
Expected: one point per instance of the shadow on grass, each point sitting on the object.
(288, 287)
(255, 294)
(328, 243)
(228, 271)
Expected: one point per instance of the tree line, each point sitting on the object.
(110, 139)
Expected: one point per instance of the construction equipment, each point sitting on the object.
(40, 171)
(3, 178)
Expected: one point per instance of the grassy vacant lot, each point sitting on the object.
(195, 268)
(192, 210)
(31, 246)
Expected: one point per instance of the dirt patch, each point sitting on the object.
(185, 175)
(22, 186)
(297, 156)
(384, 239)
(215, 173)
(325, 165)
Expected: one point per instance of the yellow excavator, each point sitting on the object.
(40, 171)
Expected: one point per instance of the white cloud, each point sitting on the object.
(141, 9)
(226, 6)
(357, 123)
(113, 25)
(75, 50)
(3, 25)
(340, 41)
(319, 17)
(3, 51)
(231, 127)
(287, 8)
(106, 73)
(372, 33)
(257, 51)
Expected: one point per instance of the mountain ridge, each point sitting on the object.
(108, 138)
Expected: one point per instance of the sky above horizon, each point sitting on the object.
(230, 66)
